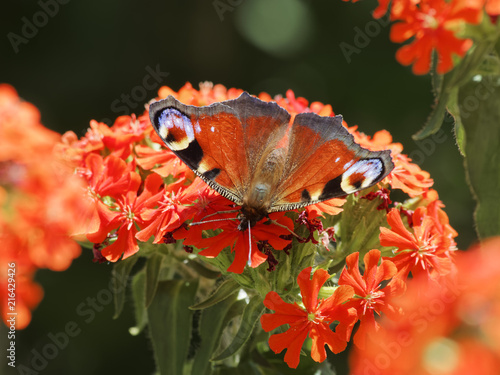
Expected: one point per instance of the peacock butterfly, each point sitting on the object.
(250, 152)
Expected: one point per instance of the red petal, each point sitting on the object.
(285, 313)
(322, 335)
(367, 325)
(310, 288)
(125, 244)
(292, 340)
(351, 276)
(341, 295)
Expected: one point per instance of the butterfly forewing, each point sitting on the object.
(200, 137)
(222, 143)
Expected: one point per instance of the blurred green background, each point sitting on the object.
(86, 57)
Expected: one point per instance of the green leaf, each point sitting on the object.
(139, 298)
(480, 115)
(212, 324)
(251, 315)
(170, 324)
(454, 110)
(235, 310)
(436, 117)
(201, 270)
(436, 79)
(225, 289)
(120, 274)
(153, 268)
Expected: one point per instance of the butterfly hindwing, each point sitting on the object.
(324, 162)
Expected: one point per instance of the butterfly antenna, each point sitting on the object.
(212, 221)
(249, 246)
(220, 212)
(216, 213)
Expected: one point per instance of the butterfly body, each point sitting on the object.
(251, 152)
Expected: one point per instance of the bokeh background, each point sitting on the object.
(87, 57)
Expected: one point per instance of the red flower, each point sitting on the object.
(203, 205)
(126, 131)
(105, 178)
(126, 213)
(370, 297)
(109, 177)
(40, 205)
(28, 293)
(174, 208)
(409, 177)
(314, 319)
(427, 250)
(164, 162)
(433, 25)
(449, 327)
(208, 93)
(244, 243)
(442, 223)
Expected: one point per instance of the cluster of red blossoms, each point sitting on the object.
(450, 327)
(136, 192)
(40, 203)
(434, 25)
(126, 165)
(425, 252)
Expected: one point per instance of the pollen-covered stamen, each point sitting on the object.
(168, 202)
(134, 126)
(372, 299)
(426, 251)
(429, 20)
(128, 215)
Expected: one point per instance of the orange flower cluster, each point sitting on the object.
(425, 251)
(433, 26)
(125, 167)
(39, 204)
(428, 248)
(450, 327)
(137, 191)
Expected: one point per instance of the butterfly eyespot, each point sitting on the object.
(361, 174)
(176, 128)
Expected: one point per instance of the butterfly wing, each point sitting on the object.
(324, 162)
(223, 142)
